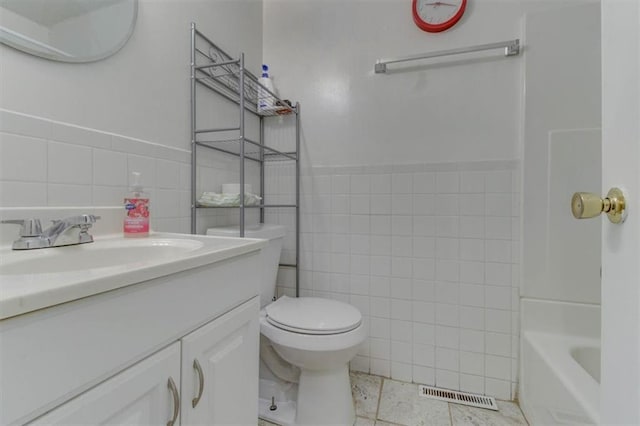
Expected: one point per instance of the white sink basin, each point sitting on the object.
(35, 279)
(103, 254)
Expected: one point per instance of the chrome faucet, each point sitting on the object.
(69, 231)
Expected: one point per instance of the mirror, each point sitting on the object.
(67, 30)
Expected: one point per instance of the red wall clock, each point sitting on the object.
(435, 16)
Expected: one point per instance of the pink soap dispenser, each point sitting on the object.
(136, 206)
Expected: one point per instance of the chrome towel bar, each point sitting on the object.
(511, 48)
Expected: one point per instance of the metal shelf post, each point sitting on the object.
(298, 200)
(193, 128)
(262, 192)
(242, 141)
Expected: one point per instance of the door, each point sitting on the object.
(220, 369)
(140, 395)
(620, 386)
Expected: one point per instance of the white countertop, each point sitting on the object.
(41, 288)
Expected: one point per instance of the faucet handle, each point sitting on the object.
(83, 219)
(90, 218)
(29, 227)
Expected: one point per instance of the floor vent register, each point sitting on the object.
(457, 397)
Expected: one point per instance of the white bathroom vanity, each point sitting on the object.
(162, 330)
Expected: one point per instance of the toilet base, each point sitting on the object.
(324, 397)
(284, 395)
(324, 387)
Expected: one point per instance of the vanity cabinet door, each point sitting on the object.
(220, 365)
(139, 395)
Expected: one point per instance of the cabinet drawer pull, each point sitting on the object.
(198, 368)
(176, 401)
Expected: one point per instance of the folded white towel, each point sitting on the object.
(213, 199)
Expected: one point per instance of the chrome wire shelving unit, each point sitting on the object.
(214, 69)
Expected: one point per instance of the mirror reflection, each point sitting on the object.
(67, 30)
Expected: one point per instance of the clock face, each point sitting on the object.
(437, 15)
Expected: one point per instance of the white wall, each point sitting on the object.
(400, 215)
(562, 153)
(373, 143)
(143, 90)
(429, 254)
(72, 133)
(459, 111)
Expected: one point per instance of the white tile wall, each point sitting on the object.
(429, 254)
(48, 163)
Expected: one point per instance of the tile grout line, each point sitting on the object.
(450, 415)
(379, 399)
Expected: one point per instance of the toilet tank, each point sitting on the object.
(270, 255)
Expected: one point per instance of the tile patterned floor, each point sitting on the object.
(386, 402)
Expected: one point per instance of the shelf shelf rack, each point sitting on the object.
(212, 68)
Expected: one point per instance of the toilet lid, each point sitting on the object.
(313, 315)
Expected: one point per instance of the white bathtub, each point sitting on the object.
(560, 363)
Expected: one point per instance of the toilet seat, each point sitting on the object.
(313, 315)
(312, 342)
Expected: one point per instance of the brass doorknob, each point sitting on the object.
(585, 205)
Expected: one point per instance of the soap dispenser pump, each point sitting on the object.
(136, 205)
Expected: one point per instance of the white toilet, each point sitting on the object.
(305, 348)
